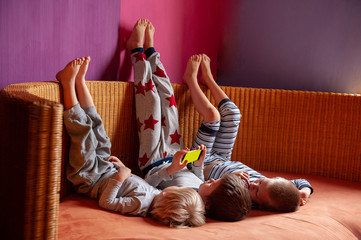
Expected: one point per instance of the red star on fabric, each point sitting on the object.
(149, 86)
(150, 122)
(163, 121)
(140, 89)
(175, 137)
(143, 160)
(159, 72)
(171, 100)
(164, 154)
(139, 56)
(139, 124)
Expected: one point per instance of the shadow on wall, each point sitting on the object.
(111, 70)
(298, 45)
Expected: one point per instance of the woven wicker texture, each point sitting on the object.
(31, 159)
(287, 131)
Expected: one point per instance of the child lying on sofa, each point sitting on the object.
(161, 147)
(98, 175)
(218, 133)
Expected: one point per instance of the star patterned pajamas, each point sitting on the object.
(157, 123)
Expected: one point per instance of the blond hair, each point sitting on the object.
(284, 196)
(179, 208)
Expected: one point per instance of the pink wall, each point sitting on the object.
(183, 28)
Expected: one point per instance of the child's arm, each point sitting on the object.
(154, 178)
(304, 188)
(197, 166)
(124, 205)
(177, 162)
(304, 195)
(113, 197)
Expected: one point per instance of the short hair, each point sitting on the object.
(179, 208)
(284, 196)
(230, 201)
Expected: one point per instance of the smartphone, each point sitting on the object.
(192, 156)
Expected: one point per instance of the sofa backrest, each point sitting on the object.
(281, 130)
(286, 131)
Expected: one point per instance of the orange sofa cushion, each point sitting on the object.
(332, 212)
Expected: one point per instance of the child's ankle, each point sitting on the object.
(135, 50)
(149, 52)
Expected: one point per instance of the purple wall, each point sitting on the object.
(288, 44)
(39, 37)
(292, 44)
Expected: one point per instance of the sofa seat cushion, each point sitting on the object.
(332, 212)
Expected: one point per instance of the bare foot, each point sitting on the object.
(206, 69)
(83, 69)
(137, 36)
(67, 75)
(191, 71)
(149, 36)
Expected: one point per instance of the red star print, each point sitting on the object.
(150, 122)
(139, 124)
(149, 86)
(140, 89)
(171, 100)
(143, 160)
(159, 72)
(164, 154)
(175, 137)
(163, 121)
(139, 56)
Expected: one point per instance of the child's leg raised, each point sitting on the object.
(172, 140)
(83, 171)
(84, 96)
(87, 103)
(208, 80)
(67, 80)
(230, 115)
(200, 101)
(148, 109)
(207, 131)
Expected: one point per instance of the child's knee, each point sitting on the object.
(230, 112)
(212, 115)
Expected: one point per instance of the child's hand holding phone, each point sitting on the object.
(197, 156)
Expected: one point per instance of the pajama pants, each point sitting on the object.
(89, 150)
(219, 136)
(156, 110)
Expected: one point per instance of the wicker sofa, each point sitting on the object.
(293, 134)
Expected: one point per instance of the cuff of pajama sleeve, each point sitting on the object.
(306, 185)
(76, 110)
(210, 128)
(198, 171)
(223, 102)
(90, 110)
(164, 174)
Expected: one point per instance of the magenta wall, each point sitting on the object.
(39, 37)
(286, 44)
(183, 28)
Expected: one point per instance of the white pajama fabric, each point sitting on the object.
(158, 126)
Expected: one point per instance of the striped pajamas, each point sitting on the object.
(219, 138)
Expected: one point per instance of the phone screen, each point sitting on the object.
(192, 156)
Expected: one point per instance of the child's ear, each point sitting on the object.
(207, 206)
